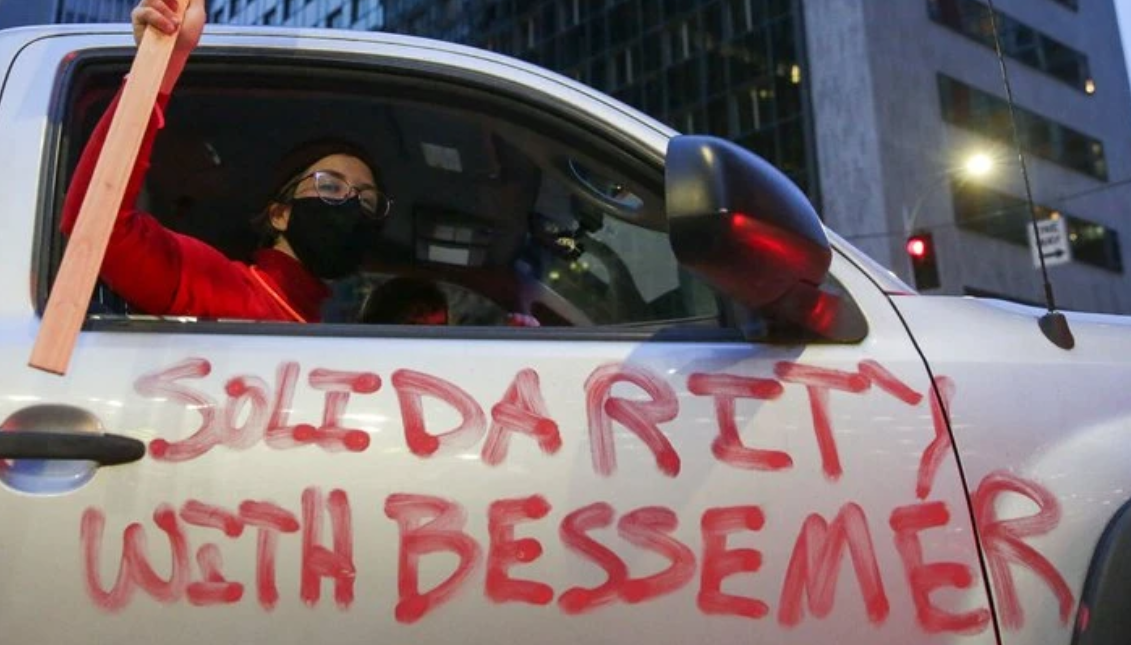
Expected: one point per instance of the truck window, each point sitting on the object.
(506, 208)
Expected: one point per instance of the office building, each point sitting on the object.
(15, 13)
(908, 95)
(19, 13)
(341, 14)
(70, 11)
(876, 109)
(330, 14)
(728, 67)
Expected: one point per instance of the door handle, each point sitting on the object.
(105, 449)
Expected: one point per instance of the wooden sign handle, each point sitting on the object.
(70, 295)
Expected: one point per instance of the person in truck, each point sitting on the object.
(326, 201)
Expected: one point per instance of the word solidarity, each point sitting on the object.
(265, 413)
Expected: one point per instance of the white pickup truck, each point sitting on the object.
(730, 427)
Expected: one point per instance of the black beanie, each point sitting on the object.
(305, 154)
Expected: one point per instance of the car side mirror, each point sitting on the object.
(744, 227)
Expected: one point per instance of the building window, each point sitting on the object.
(621, 68)
(270, 17)
(1005, 217)
(334, 19)
(1071, 4)
(988, 115)
(530, 31)
(287, 8)
(718, 117)
(623, 23)
(753, 105)
(1018, 40)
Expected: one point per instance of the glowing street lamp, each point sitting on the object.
(979, 165)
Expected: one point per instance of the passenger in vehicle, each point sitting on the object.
(406, 301)
(314, 227)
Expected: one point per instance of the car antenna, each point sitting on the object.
(1053, 324)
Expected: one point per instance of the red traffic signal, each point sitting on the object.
(924, 263)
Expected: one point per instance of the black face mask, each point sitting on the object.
(329, 239)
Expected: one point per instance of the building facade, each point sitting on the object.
(904, 94)
(875, 109)
(17, 13)
(340, 14)
(329, 14)
(71, 11)
(733, 68)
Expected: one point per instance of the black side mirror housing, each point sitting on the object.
(750, 232)
(740, 223)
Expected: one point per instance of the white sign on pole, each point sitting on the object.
(1054, 242)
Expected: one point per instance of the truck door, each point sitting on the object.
(635, 467)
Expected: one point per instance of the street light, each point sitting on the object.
(920, 245)
(978, 164)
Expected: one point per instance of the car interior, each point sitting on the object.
(507, 206)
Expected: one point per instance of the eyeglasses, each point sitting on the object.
(332, 188)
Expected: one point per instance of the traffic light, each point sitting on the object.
(924, 262)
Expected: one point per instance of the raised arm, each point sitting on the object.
(139, 246)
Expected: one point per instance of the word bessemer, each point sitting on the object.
(430, 525)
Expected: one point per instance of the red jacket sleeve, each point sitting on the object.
(156, 270)
(142, 262)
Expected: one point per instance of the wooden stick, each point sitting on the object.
(70, 296)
